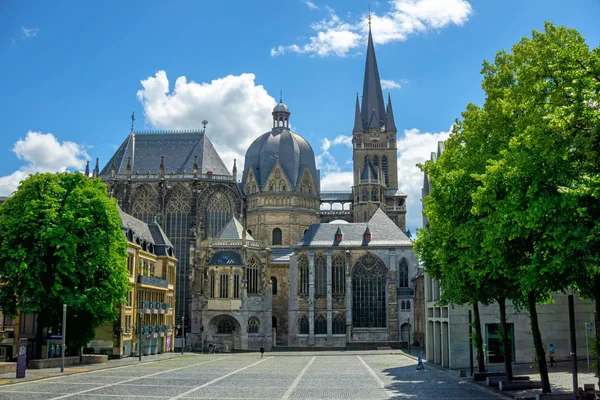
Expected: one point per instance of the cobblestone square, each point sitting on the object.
(302, 375)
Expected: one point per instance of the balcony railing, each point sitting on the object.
(153, 281)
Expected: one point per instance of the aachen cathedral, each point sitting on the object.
(260, 262)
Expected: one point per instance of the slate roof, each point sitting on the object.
(225, 258)
(178, 148)
(369, 171)
(336, 196)
(233, 230)
(292, 151)
(281, 255)
(139, 228)
(150, 233)
(384, 233)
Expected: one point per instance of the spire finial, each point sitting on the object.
(132, 120)
(280, 95)
(369, 15)
(204, 123)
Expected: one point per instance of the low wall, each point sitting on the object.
(94, 359)
(6, 367)
(55, 362)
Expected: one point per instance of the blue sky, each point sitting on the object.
(73, 71)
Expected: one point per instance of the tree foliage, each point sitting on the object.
(61, 242)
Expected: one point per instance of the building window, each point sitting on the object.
(249, 232)
(273, 285)
(236, 285)
(303, 324)
(408, 304)
(338, 281)
(252, 276)
(320, 325)
(374, 194)
(402, 305)
(211, 279)
(403, 273)
(321, 276)
(224, 285)
(384, 167)
(376, 161)
(365, 194)
(369, 293)
(225, 327)
(253, 325)
(303, 272)
(276, 237)
(218, 213)
(130, 259)
(339, 324)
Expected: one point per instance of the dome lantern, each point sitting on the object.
(281, 114)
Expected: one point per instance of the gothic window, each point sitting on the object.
(253, 325)
(374, 194)
(277, 174)
(403, 273)
(402, 305)
(225, 327)
(365, 194)
(283, 188)
(384, 167)
(339, 324)
(376, 161)
(177, 229)
(249, 232)
(224, 285)
(303, 272)
(211, 282)
(321, 276)
(273, 285)
(320, 325)
(338, 281)
(408, 304)
(252, 276)
(218, 213)
(276, 237)
(145, 204)
(303, 324)
(368, 293)
(236, 285)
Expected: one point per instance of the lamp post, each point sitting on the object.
(140, 337)
(408, 335)
(64, 332)
(182, 333)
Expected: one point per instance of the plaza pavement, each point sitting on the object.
(301, 375)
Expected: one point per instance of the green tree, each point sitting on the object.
(538, 96)
(61, 242)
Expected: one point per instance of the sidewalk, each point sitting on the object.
(35, 374)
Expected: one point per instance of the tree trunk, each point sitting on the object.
(596, 346)
(537, 342)
(478, 339)
(506, 344)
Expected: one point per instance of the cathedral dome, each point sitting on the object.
(291, 150)
(281, 107)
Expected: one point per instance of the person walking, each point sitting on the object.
(420, 365)
(553, 362)
(262, 351)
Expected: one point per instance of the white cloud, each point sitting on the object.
(237, 110)
(325, 161)
(43, 153)
(311, 5)
(388, 84)
(415, 148)
(404, 18)
(29, 32)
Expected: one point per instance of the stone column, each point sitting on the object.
(348, 299)
(293, 302)
(329, 299)
(311, 298)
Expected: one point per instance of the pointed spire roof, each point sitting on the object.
(372, 100)
(233, 230)
(358, 125)
(390, 124)
(369, 173)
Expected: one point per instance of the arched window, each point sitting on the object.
(338, 280)
(303, 324)
(211, 280)
(374, 194)
(252, 276)
(276, 237)
(236, 284)
(403, 273)
(384, 167)
(303, 272)
(273, 285)
(365, 194)
(145, 203)
(253, 325)
(218, 213)
(402, 305)
(408, 304)
(274, 323)
(321, 276)
(225, 327)
(224, 285)
(320, 325)
(369, 293)
(339, 324)
(376, 161)
(249, 232)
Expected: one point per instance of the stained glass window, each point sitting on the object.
(338, 281)
(218, 213)
(320, 276)
(253, 325)
(368, 293)
(403, 273)
(339, 324)
(303, 324)
(223, 285)
(303, 272)
(273, 285)
(211, 280)
(145, 203)
(384, 167)
(236, 285)
(226, 326)
(320, 325)
(252, 276)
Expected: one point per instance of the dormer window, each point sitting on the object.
(338, 235)
(367, 235)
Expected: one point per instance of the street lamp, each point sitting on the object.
(140, 337)
(182, 332)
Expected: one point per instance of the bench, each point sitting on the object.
(520, 385)
(494, 381)
(480, 376)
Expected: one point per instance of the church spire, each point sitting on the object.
(358, 126)
(390, 124)
(372, 107)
